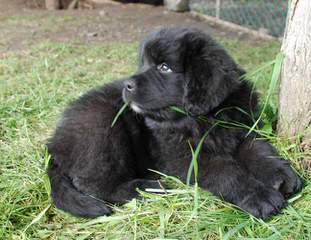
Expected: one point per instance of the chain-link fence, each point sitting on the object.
(268, 16)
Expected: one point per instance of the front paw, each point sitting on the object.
(263, 202)
(287, 181)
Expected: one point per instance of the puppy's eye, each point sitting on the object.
(164, 68)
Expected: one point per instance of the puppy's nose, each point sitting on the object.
(130, 85)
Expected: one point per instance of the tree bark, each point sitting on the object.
(295, 88)
(52, 4)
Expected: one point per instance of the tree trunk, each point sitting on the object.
(52, 4)
(295, 89)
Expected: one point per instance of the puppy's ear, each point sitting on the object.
(142, 55)
(210, 74)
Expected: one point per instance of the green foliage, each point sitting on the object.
(122, 109)
(36, 85)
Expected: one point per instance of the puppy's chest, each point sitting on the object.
(171, 152)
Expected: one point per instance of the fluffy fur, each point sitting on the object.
(94, 165)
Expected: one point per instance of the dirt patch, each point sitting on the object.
(22, 26)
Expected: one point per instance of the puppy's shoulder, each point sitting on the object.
(93, 110)
(108, 94)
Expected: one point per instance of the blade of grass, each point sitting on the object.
(190, 169)
(234, 230)
(230, 108)
(195, 155)
(37, 218)
(177, 109)
(122, 109)
(273, 83)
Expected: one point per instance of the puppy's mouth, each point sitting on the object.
(136, 108)
(139, 108)
(143, 110)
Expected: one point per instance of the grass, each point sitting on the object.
(36, 85)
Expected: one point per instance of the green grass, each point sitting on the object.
(36, 85)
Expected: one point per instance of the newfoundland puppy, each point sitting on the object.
(94, 165)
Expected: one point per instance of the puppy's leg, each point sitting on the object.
(128, 190)
(225, 178)
(68, 198)
(116, 193)
(262, 161)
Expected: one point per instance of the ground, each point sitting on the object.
(48, 59)
(22, 26)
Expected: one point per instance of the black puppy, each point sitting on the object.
(93, 164)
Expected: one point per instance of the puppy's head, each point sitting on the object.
(184, 68)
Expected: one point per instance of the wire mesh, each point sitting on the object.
(268, 16)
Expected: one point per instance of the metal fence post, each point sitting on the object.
(218, 9)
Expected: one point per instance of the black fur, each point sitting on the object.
(94, 165)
